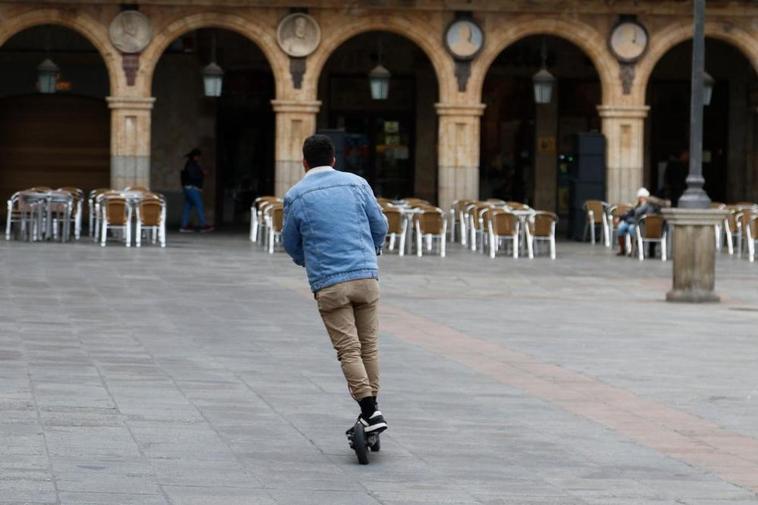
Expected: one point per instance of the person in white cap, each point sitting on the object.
(628, 222)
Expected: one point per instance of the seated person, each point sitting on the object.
(628, 222)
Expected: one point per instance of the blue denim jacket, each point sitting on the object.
(334, 227)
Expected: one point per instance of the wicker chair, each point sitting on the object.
(397, 228)
(733, 231)
(596, 217)
(22, 213)
(458, 219)
(151, 217)
(651, 229)
(503, 225)
(541, 228)
(750, 223)
(76, 209)
(615, 213)
(414, 202)
(256, 216)
(718, 229)
(517, 205)
(274, 218)
(476, 213)
(94, 213)
(115, 213)
(430, 225)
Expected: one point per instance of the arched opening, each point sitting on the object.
(234, 131)
(529, 150)
(390, 141)
(729, 126)
(60, 137)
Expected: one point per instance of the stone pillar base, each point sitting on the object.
(694, 253)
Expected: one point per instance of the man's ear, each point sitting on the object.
(305, 165)
(334, 161)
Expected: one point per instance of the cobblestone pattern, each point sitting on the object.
(200, 374)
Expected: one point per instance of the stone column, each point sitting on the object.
(130, 140)
(694, 253)
(295, 121)
(624, 129)
(458, 146)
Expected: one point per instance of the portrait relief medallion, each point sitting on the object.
(298, 35)
(130, 32)
(464, 39)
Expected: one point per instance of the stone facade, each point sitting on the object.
(585, 24)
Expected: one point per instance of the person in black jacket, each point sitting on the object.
(630, 220)
(192, 176)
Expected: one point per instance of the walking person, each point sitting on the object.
(335, 228)
(193, 176)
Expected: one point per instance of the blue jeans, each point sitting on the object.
(625, 228)
(193, 197)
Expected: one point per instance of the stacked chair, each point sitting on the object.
(114, 214)
(257, 223)
(597, 217)
(503, 226)
(151, 219)
(541, 228)
(430, 225)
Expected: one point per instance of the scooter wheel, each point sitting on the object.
(360, 444)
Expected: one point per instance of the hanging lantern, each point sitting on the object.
(379, 79)
(47, 76)
(708, 84)
(543, 86)
(213, 80)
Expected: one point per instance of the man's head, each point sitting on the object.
(318, 151)
(643, 195)
(194, 154)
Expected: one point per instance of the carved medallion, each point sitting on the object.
(130, 32)
(464, 39)
(298, 35)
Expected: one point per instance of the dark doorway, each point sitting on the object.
(235, 131)
(527, 148)
(58, 139)
(726, 125)
(390, 142)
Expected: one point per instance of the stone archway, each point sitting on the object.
(95, 32)
(388, 138)
(253, 28)
(729, 119)
(423, 34)
(583, 36)
(527, 147)
(672, 35)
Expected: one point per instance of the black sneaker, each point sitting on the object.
(374, 424)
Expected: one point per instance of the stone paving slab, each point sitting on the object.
(201, 374)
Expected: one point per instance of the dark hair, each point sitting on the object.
(193, 153)
(318, 151)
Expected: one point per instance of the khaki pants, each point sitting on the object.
(349, 311)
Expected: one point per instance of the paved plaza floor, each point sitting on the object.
(200, 374)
